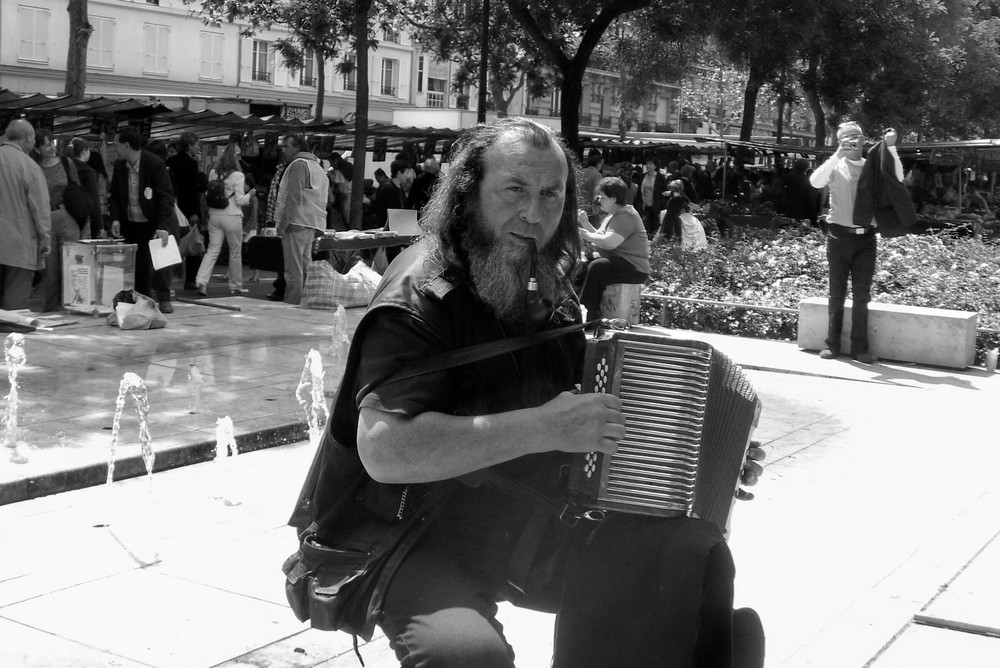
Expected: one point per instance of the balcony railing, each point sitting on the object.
(389, 90)
(435, 99)
(586, 119)
(308, 81)
(261, 76)
(604, 122)
(350, 85)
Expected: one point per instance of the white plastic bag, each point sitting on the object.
(692, 233)
(136, 311)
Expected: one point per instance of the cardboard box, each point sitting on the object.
(94, 271)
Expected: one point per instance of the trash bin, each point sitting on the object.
(94, 271)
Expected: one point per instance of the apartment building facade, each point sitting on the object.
(162, 50)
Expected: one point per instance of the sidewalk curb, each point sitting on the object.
(132, 466)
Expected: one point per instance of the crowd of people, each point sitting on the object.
(157, 189)
(161, 188)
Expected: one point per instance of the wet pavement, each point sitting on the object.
(879, 505)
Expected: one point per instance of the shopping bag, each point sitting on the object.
(134, 310)
(192, 244)
(326, 288)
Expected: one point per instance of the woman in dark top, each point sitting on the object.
(46, 296)
(652, 195)
(79, 152)
(677, 204)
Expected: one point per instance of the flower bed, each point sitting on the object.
(779, 268)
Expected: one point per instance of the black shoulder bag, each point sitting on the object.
(76, 199)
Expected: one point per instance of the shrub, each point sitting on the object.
(780, 268)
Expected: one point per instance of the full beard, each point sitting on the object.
(500, 277)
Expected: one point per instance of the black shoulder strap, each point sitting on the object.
(69, 176)
(478, 352)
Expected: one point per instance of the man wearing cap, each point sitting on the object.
(851, 242)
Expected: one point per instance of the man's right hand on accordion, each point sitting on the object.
(751, 470)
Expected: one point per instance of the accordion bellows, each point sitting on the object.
(689, 413)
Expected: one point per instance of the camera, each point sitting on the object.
(849, 143)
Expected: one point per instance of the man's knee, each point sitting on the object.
(451, 639)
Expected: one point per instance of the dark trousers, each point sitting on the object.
(640, 591)
(15, 286)
(850, 256)
(153, 284)
(651, 219)
(601, 273)
(671, 227)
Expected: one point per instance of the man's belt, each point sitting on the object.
(855, 230)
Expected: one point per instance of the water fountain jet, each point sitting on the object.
(13, 353)
(310, 395)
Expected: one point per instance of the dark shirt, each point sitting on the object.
(420, 191)
(421, 309)
(801, 199)
(388, 196)
(188, 185)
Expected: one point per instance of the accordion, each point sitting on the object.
(689, 413)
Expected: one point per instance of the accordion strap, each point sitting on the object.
(480, 351)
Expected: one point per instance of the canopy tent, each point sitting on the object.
(68, 115)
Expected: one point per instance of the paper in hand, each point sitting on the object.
(164, 256)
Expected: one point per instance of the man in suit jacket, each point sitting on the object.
(141, 204)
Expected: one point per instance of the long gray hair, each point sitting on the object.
(455, 202)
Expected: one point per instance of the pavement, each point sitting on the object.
(872, 541)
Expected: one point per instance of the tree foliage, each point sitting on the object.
(450, 30)
(645, 48)
(316, 28)
(567, 32)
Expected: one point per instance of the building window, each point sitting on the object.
(351, 77)
(389, 69)
(556, 105)
(307, 76)
(157, 40)
(262, 62)
(436, 92)
(211, 56)
(420, 74)
(390, 35)
(101, 47)
(33, 32)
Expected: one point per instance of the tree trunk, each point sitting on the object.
(76, 55)
(501, 104)
(812, 95)
(572, 94)
(320, 86)
(781, 121)
(362, 8)
(754, 82)
(484, 62)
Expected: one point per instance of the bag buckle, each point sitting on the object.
(570, 517)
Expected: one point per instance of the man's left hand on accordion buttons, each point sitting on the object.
(751, 470)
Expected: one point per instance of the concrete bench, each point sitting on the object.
(933, 336)
(621, 300)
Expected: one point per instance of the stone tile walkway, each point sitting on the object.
(879, 505)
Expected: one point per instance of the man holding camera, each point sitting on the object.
(851, 241)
